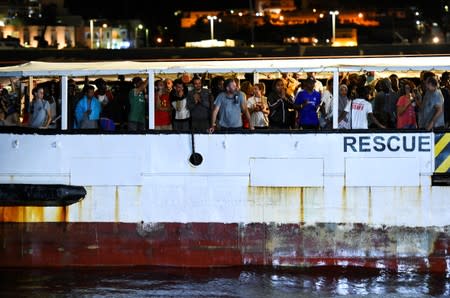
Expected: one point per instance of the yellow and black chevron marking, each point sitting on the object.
(442, 153)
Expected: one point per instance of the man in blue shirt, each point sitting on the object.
(308, 102)
(87, 111)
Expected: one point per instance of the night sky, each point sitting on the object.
(160, 12)
(151, 12)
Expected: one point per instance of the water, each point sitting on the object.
(225, 282)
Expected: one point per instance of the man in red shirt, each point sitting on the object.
(163, 108)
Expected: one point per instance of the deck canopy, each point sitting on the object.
(352, 64)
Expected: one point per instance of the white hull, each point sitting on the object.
(282, 178)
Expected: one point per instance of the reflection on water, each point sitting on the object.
(224, 282)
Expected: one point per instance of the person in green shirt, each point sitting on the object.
(136, 117)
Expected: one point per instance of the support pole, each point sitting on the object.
(64, 103)
(335, 98)
(255, 78)
(151, 100)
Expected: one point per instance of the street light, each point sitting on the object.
(211, 21)
(91, 32)
(333, 23)
(138, 27)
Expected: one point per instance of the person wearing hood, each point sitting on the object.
(343, 101)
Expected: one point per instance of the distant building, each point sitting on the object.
(25, 21)
(190, 18)
(367, 19)
(209, 43)
(56, 36)
(345, 37)
(107, 37)
(282, 5)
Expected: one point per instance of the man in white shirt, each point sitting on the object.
(360, 110)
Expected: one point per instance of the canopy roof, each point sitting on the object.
(353, 64)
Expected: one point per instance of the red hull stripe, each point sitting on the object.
(218, 244)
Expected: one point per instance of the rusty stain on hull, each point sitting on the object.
(116, 205)
(344, 203)
(279, 203)
(62, 214)
(369, 215)
(302, 206)
(80, 209)
(138, 198)
(22, 214)
(33, 214)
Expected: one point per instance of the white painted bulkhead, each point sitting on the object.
(244, 178)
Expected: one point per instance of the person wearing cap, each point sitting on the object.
(318, 86)
(308, 102)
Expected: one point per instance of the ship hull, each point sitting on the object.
(220, 244)
(301, 199)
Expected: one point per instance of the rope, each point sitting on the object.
(195, 158)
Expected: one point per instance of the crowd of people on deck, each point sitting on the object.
(207, 104)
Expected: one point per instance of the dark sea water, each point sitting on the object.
(225, 282)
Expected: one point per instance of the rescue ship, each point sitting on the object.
(365, 198)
